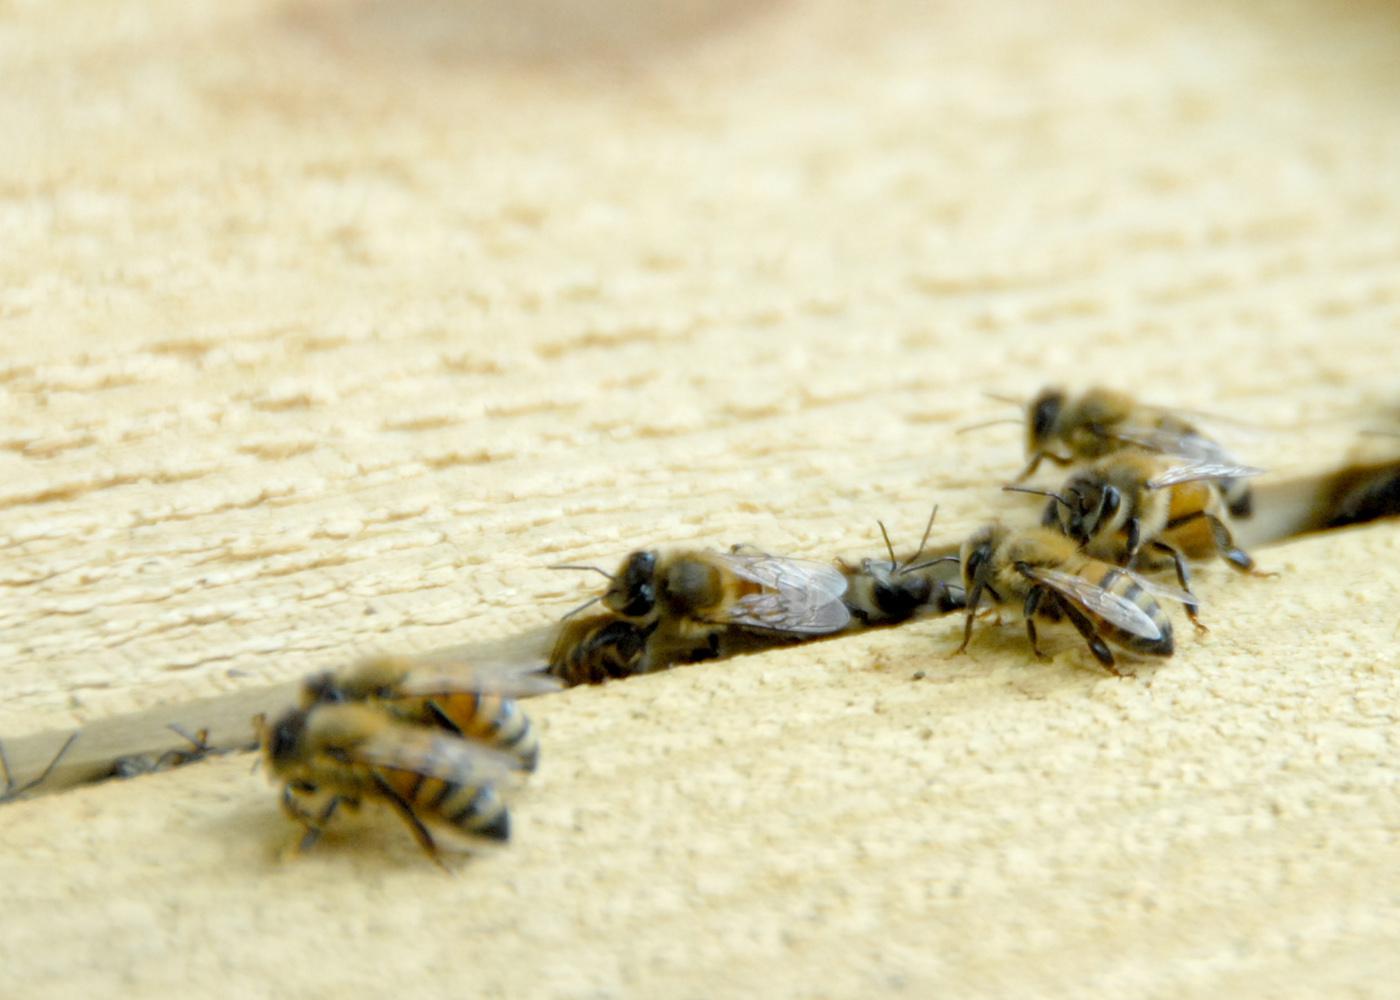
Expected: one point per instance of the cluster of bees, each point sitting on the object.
(436, 738)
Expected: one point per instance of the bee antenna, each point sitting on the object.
(932, 562)
(1038, 492)
(894, 563)
(587, 603)
(11, 791)
(1001, 397)
(927, 529)
(199, 740)
(588, 569)
(987, 423)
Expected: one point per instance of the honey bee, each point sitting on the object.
(148, 763)
(1053, 580)
(696, 593)
(14, 790)
(600, 648)
(340, 754)
(887, 592)
(1132, 506)
(444, 690)
(1067, 429)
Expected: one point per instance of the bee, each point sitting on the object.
(331, 755)
(1136, 508)
(600, 648)
(1053, 580)
(887, 592)
(440, 689)
(13, 790)
(1067, 429)
(696, 593)
(148, 763)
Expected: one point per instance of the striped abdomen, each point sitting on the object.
(1116, 581)
(492, 719)
(458, 801)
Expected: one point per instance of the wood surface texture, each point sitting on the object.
(328, 325)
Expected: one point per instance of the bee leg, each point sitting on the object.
(1225, 545)
(1031, 466)
(973, 600)
(1091, 635)
(1033, 598)
(1183, 578)
(1133, 527)
(415, 825)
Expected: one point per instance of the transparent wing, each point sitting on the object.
(795, 613)
(1193, 471)
(433, 754)
(1161, 590)
(1186, 443)
(778, 573)
(798, 596)
(1109, 606)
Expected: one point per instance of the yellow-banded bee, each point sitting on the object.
(1067, 429)
(694, 594)
(887, 592)
(446, 690)
(334, 755)
(600, 648)
(1051, 579)
(1142, 509)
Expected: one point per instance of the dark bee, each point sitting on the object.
(600, 648)
(887, 592)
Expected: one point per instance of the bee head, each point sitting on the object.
(633, 591)
(282, 741)
(1043, 417)
(320, 688)
(1090, 502)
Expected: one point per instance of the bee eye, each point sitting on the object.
(287, 734)
(1045, 414)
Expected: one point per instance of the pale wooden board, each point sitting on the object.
(330, 324)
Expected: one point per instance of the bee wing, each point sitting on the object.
(798, 596)
(1105, 604)
(782, 574)
(460, 668)
(1161, 590)
(1186, 443)
(433, 754)
(1193, 471)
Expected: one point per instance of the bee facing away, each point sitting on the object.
(887, 592)
(1066, 429)
(1142, 509)
(1053, 580)
(446, 691)
(600, 648)
(134, 765)
(695, 593)
(332, 755)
